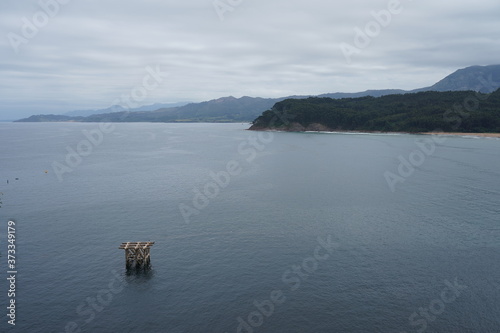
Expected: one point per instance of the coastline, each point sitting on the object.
(482, 135)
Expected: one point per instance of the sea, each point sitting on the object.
(253, 231)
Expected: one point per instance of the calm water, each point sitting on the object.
(249, 260)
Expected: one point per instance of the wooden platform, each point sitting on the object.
(137, 254)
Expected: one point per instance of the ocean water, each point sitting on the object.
(254, 232)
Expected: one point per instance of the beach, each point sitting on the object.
(486, 135)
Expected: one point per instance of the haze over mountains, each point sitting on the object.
(119, 108)
(484, 79)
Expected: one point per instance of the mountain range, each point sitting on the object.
(119, 108)
(485, 79)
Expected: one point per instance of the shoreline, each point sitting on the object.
(482, 135)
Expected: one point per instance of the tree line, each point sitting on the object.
(451, 111)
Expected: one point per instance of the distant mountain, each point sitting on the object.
(246, 109)
(222, 109)
(485, 79)
(85, 113)
(49, 118)
(373, 93)
(118, 108)
(158, 106)
(225, 109)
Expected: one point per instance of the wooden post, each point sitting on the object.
(137, 254)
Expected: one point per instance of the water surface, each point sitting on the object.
(395, 252)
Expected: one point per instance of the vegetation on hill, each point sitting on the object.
(458, 111)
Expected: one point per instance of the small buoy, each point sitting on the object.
(46, 171)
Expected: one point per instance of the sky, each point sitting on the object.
(64, 55)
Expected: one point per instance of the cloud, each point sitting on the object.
(90, 52)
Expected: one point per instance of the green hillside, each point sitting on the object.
(452, 111)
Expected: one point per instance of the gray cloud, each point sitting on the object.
(92, 52)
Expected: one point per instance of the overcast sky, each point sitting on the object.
(86, 54)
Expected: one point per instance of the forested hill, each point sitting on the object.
(452, 111)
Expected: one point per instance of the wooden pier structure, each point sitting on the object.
(137, 254)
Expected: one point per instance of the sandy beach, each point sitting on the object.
(486, 135)
(323, 129)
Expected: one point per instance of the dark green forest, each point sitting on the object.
(451, 111)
